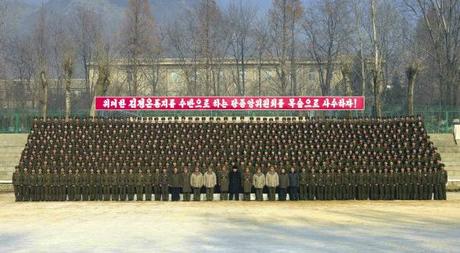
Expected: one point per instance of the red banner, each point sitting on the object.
(230, 103)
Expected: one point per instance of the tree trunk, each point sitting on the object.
(67, 97)
(411, 74)
(44, 84)
(377, 68)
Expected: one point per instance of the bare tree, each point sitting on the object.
(208, 17)
(377, 70)
(327, 33)
(136, 39)
(411, 73)
(41, 53)
(240, 18)
(441, 24)
(262, 45)
(87, 30)
(103, 64)
(284, 16)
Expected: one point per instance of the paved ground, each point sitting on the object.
(333, 226)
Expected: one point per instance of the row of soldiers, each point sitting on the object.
(147, 184)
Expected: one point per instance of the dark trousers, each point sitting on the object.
(62, 193)
(139, 192)
(271, 193)
(157, 192)
(175, 193)
(224, 195)
(259, 194)
(85, 192)
(210, 194)
(148, 192)
(131, 190)
(106, 190)
(236, 194)
(282, 193)
(115, 193)
(186, 196)
(303, 192)
(320, 192)
(99, 192)
(311, 192)
(78, 193)
(123, 192)
(72, 189)
(247, 196)
(293, 193)
(328, 192)
(164, 193)
(196, 193)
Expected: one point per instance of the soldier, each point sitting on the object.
(373, 185)
(223, 183)
(420, 181)
(27, 185)
(442, 182)
(259, 183)
(20, 182)
(347, 185)
(16, 183)
(71, 187)
(311, 182)
(186, 187)
(431, 183)
(328, 184)
(196, 181)
(293, 185)
(78, 185)
(360, 185)
(381, 183)
(246, 184)
(92, 185)
(139, 178)
(157, 184)
(123, 184)
(425, 185)
(85, 182)
(148, 184)
(131, 184)
(338, 185)
(272, 181)
(34, 186)
(99, 193)
(106, 182)
(115, 186)
(210, 181)
(63, 183)
(303, 187)
(414, 183)
(234, 183)
(283, 185)
(40, 186)
(175, 182)
(392, 185)
(164, 184)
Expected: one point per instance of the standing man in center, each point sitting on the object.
(235, 183)
(210, 181)
(223, 183)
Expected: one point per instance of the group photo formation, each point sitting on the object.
(229, 126)
(278, 158)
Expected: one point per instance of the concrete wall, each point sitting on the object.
(11, 146)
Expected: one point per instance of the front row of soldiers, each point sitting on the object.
(415, 184)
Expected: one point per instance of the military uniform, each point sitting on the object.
(186, 187)
(223, 184)
(131, 185)
(246, 185)
(283, 185)
(139, 186)
(303, 187)
(157, 185)
(176, 182)
(148, 185)
(164, 177)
